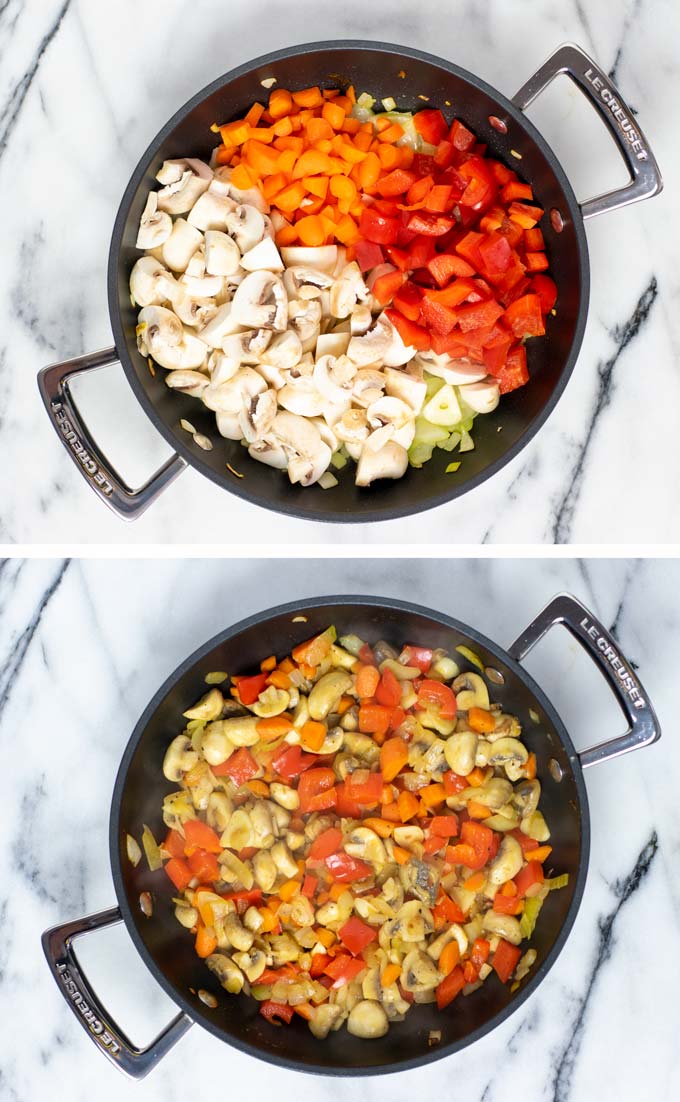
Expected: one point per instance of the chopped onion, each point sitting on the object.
(133, 851)
(471, 657)
(327, 480)
(151, 849)
(216, 677)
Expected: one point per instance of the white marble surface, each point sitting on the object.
(84, 86)
(82, 650)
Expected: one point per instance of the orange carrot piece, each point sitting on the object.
(478, 811)
(408, 805)
(368, 677)
(313, 733)
(475, 883)
(391, 973)
(308, 97)
(280, 103)
(449, 957)
(274, 727)
(380, 826)
(393, 757)
(401, 856)
(481, 721)
(289, 889)
(254, 115)
(333, 113)
(206, 942)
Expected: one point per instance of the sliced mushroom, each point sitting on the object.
(471, 692)
(245, 223)
(211, 211)
(347, 291)
(260, 302)
(266, 451)
(229, 974)
(419, 972)
(304, 317)
(507, 863)
(512, 754)
(222, 256)
(367, 386)
(397, 353)
(331, 344)
(455, 372)
(179, 196)
(283, 351)
(247, 347)
(196, 312)
(352, 427)
(406, 384)
(181, 245)
(361, 319)
(189, 382)
(334, 377)
(368, 1020)
(460, 752)
(327, 692)
(155, 226)
(395, 416)
(323, 257)
(160, 334)
(483, 396)
(390, 461)
(205, 287)
(370, 348)
(525, 797)
(309, 456)
(171, 172)
(257, 416)
(506, 926)
(301, 397)
(150, 282)
(232, 396)
(263, 256)
(179, 758)
(305, 283)
(222, 366)
(222, 325)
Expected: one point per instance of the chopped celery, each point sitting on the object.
(339, 459)
(452, 468)
(452, 442)
(558, 882)
(466, 443)
(427, 433)
(434, 383)
(527, 921)
(352, 643)
(419, 454)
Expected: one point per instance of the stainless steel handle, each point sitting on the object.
(645, 178)
(58, 947)
(643, 727)
(126, 503)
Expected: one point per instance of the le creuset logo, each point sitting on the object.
(84, 458)
(93, 1022)
(622, 672)
(607, 96)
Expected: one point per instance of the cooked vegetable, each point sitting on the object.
(336, 872)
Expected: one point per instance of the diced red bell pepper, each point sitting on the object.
(345, 807)
(444, 154)
(366, 656)
(450, 986)
(461, 289)
(398, 257)
(495, 350)
(355, 935)
(386, 286)
(388, 207)
(468, 248)
(418, 190)
(407, 300)
(525, 318)
(444, 826)
(418, 657)
(368, 255)
(198, 835)
(179, 872)
(481, 184)
(524, 840)
(431, 125)
(396, 182)
(481, 838)
(174, 844)
(343, 969)
(276, 1013)
(461, 138)
(319, 963)
(512, 231)
(463, 854)
(444, 266)
(346, 869)
(423, 164)
(412, 335)
(515, 190)
(204, 866)
(420, 251)
(249, 688)
(446, 911)
(505, 959)
(478, 314)
(454, 783)
(526, 878)
(313, 784)
(362, 786)
(241, 767)
(507, 904)
(439, 199)
(546, 289)
(536, 262)
(388, 692)
(309, 886)
(329, 841)
(431, 225)
(436, 316)
(290, 761)
(480, 952)
(242, 900)
(441, 696)
(450, 345)
(496, 255)
(377, 227)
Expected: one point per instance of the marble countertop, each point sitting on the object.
(85, 86)
(83, 647)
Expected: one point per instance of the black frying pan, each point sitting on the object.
(167, 950)
(370, 66)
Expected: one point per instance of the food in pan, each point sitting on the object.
(354, 830)
(340, 284)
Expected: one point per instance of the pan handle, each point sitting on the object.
(126, 503)
(643, 726)
(58, 947)
(645, 178)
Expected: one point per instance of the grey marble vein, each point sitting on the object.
(11, 668)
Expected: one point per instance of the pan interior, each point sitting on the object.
(375, 68)
(168, 949)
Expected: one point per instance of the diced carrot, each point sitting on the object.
(476, 778)
(333, 114)
(393, 757)
(241, 178)
(277, 677)
(316, 185)
(254, 115)
(368, 677)
(283, 127)
(449, 957)
(432, 794)
(481, 720)
(350, 125)
(369, 171)
(326, 937)
(381, 826)
(289, 198)
(289, 889)
(477, 811)
(290, 143)
(390, 974)
(530, 767)
(401, 856)
(280, 103)
(313, 732)
(542, 853)
(287, 235)
(311, 229)
(408, 805)
(336, 891)
(206, 941)
(308, 97)
(390, 156)
(475, 883)
(235, 132)
(392, 133)
(259, 788)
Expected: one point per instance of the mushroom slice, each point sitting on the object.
(231, 396)
(334, 376)
(158, 330)
(207, 286)
(368, 386)
(301, 396)
(389, 461)
(397, 353)
(483, 396)
(328, 436)
(181, 245)
(304, 317)
(397, 415)
(284, 351)
(456, 372)
(229, 425)
(189, 382)
(270, 453)
(406, 384)
(257, 415)
(193, 311)
(370, 348)
(251, 196)
(210, 212)
(247, 347)
(302, 282)
(263, 256)
(260, 302)
(471, 691)
(309, 457)
(246, 225)
(155, 226)
(322, 257)
(347, 291)
(352, 428)
(171, 172)
(150, 282)
(180, 196)
(361, 320)
(222, 325)
(196, 266)
(222, 256)
(331, 344)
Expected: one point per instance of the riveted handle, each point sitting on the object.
(58, 947)
(645, 178)
(125, 502)
(643, 726)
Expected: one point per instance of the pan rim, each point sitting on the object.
(370, 512)
(296, 607)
